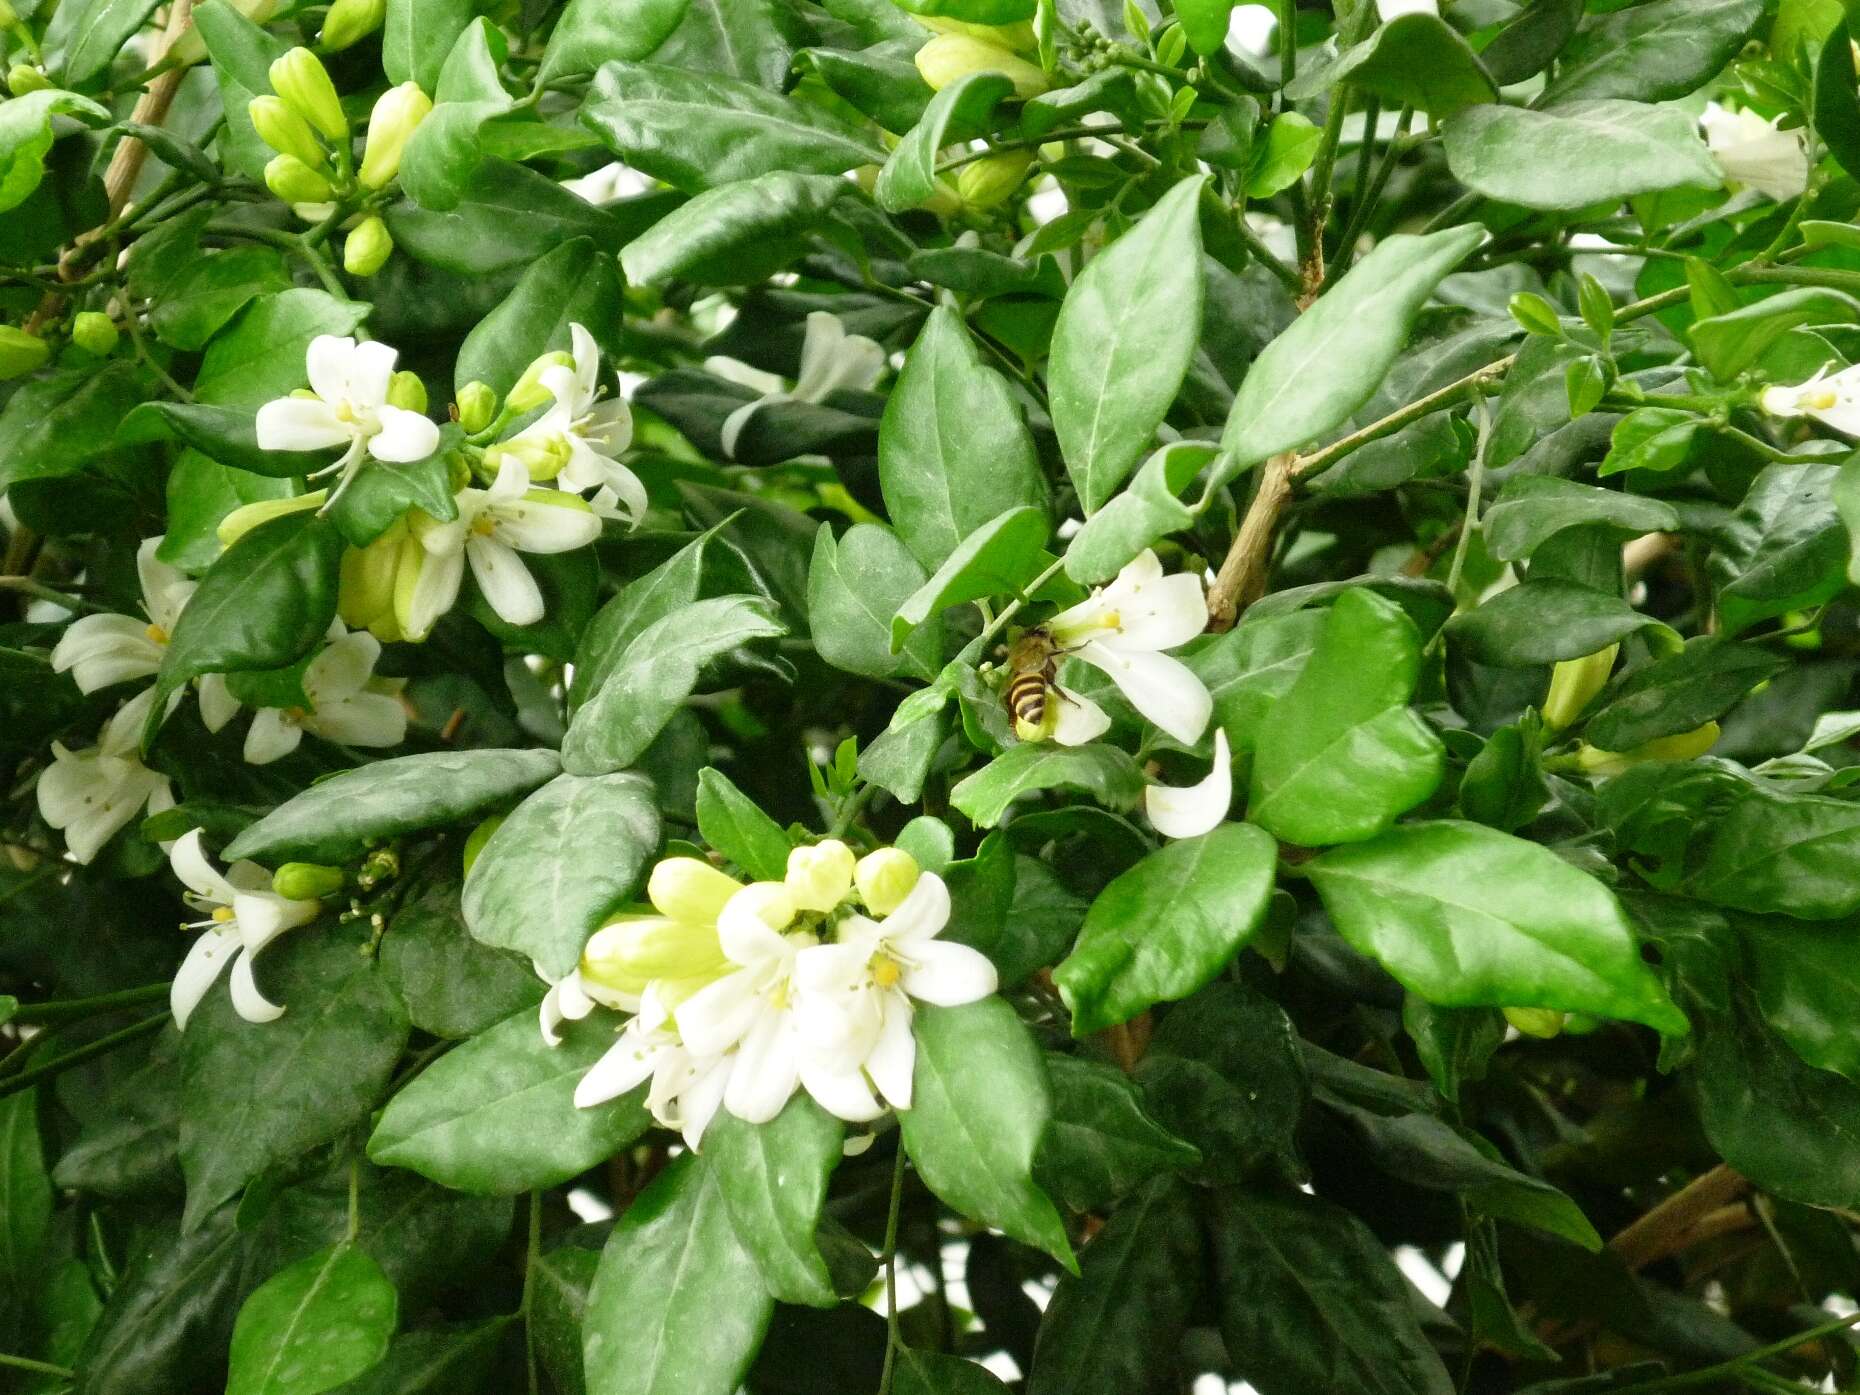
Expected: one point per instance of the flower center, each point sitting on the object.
(157, 634)
(294, 715)
(886, 971)
(1113, 620)
(222, 914)
(484, 525)
(1819, 401)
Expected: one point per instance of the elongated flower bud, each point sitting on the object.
(306, 881)
(993, 179)
(1685, 746)
(477, 406)
(364, 252)
(21, 353)
(948, 57)
(244, 519)
(285, 131)
(1536, 1022)
(365, 592)
(542, 457)
(885, 878)
(1573, 684)
(820, 876)
(95, 333)
(630, 951)
(690, 889)
(529, 393)
(300, 78)
(397, 115)
(22, 78)
(1015, 38)
(295, 182)
(349, 22)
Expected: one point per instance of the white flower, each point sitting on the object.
(1753, 151)
(1192, 810)
(1122, 629)
(607, 184)
(348, 704)
(1395, 9)
(92, 793)
(687, 1089)
(348, 408)
(567, 1000)
(243, 915)
(100, 651)
(856, 996)
(494, 526)
(831, 360)
(1831, 399)
(590, 432)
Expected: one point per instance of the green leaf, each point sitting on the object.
(1104, 772)
(972, 11)
(979, 1103)
(310, 1327)
(591, 33)
(1580, 154)
(671, 585)
(1541, 622)
(418, 36)
(502, 218)
(774, 1181)
(26, 136)
(95, 34)
(261, 354)
(957, 112)
(263, 605)
(1467, 916)
(1150, 509)
(1679, 692)
(58, 424)
(1123, 341)
(736, 234)
(1653, 52)
(652, 678)
(1168, 926)
(1248, 669)
(1310, 1300)
(533, 888)
(1205, 22)
(1100, 1143)
(1530, 509)
(1652, 438)
(697, 131)
(497, 1115)
(1784, 549)
(381, 491)
(1130, 1302)
(257, 1094)
(25, 1192)
(1792, 854)
(443, 159)
(1342, 756)
(1281, 158)
(678, 1305)
(854, 584)
(577, 283)
(226, 434)
(209, 291)
(438, 1361)
(453, 986)
(1837, 107)
(1332, 358)
(339, 818)
(1414, 60)
(732, 823)
(998, 559)
(932, 1373)
(1733, 340)
(1805, 982)
(953, 450)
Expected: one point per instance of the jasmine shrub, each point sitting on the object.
(929, 697)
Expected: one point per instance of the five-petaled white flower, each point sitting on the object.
(100, 651)
(92, 793)
(347, 406)
(1188, 811)
(1833, 399)
(1753, 151)
(243, 915)
(1122, 629)
(589, 432)
(687, 1089)
(347, 703)
(831, 360)
(493, 528)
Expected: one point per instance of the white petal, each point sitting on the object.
(622, 1067)
(217, 704)
(1163, 689)
(196, 873)
(327, 365)
(271, 737)
(1162, 614)
(100, 651)
(1080, 719)
(766, 1071)
(435, 591)
(404, 436)
(160, 582)
(206, 958)
(248, 1002)
(1192, 810)
(749, 925)
(544, 521)
(507, 585)
(714, 1018)
(732, 430)
(948, 975)
(371, 370)
(922, 914)
(701, 1100)
(512, 481)
(895, 1056)
(342, 669)
(301, 423)
(367, 719)
(843, 1094)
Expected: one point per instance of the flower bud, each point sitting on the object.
(1016, 38)
(365, 591)
(1685, 746)
(885, 878)
(246, 517)
(542, 457)
(295, 182)
(306, 881)
(8, 15)
(993, 179)
(303, 82)
(948, 57)
(22, 78)
(690, 889)
(397, 114)
(772, 903)
(1573, 684)
(529, 393)
(630, 951)
(364, 252)
(285, 131)
(349, 22)
(407, 569)
(1536, 1022)
(95, 333)
(406, 391)
(478, 837)
(820, 876)
(21, 353)
(477, 406)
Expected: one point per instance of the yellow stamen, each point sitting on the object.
(886, 971)
(484, 525)
(157, 634)
(1819, 401)
(1114, 619)
(222, 914)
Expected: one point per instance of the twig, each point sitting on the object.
(101, 1047)
(1663, 1230)
(893, 1342)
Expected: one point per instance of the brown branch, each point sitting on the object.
(1666, 1228)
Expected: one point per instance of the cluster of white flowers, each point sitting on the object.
(742, 994)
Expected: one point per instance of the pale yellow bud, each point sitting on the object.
(770, 902)
(300, 78)
(295, 182)
(281, 128)
(349, 22)
(1573, 684)
(1016, 38)
(820, 876)
(542, 457)
(631, 951)
(406, 391)
(366, 250)
(246, 517)
(397, 114)
(1685, 746)
(365, 591)
(529, 393)
(948, 57)
(477, 406)
(885, 878)
(1536, 1022)
(993, 179)
(690, 889)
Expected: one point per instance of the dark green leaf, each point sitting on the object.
(957, 112)
(1532, 508)
(731, 822)
(854, 585)
(734, 234)
(774, 1180)
(577, 283)
(998, 559)
(1100, 1143)
(312, 1326)
(1653, 52)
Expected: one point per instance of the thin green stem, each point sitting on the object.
(1475, 381)
(71, 1008)
(1288, 42)
(44, 1368)
(1008, 610)
(1705, 1375)
(26, 585)
(1476, 481)
(893, 1342)
(1365, 205)
(103, 1046)
(532, 1253)
(355, 1201)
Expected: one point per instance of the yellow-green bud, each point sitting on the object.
(948, 57)
(95, 333)
(306, 881)
(478, 837)
(1016, 38)
(398, 113)
(365, 590)
(366, 250)
(772, 903)
(529, 393)
(1685, 746)
(21, 353)
(406, 391)
(246, 517)
(349, 22)
(885, 878)
(630, 951)
(22, 78)
(300, 78)
(406, 579)
(690, 889)
(285, 131)
(820, 876)
(542, 457)
(993, 179)
(295, 182)
(477, 405)
(1536, 1022)
(1573, 684)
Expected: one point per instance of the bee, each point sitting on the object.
(1032, 664)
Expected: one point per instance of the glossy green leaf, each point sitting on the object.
(313, 1325)
(854, 584)
(1784, 549)
(26, 132)
(590, 34)
(417, 37)
(25, 1190)
(774, 1179)
(1733, 340)
(1104, 772)
(453, 986)
(1248, 669)
(1653, 52)
(1679, 692)
(1150, 509)
(208, 292)
(227, 434)
(1000, 558)
(732, 823)
(672, 584)
(1542, 621)
(1791, 854)
(1414, 59)
(734, 234)
(577, 283)
(1805, 979)
(1100, 1143)
(1581, 153)
(1532, 508)
(957, 112)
